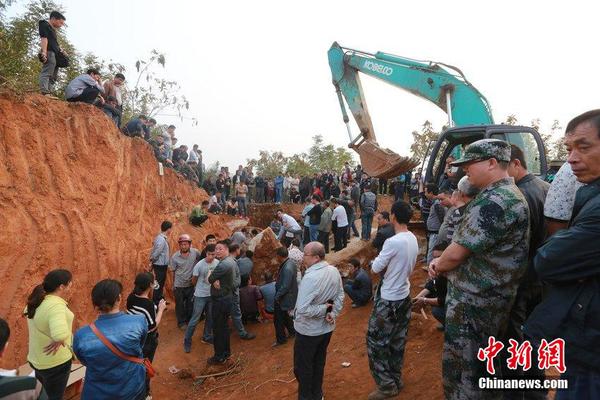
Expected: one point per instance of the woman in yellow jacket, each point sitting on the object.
(50, 322)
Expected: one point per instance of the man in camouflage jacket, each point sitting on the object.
(484, 263)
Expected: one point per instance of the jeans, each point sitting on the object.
(356, 296)
(54, 380)
(288, 240)
(314, 232)
(160, 274)
(310, 354)
(582, 385)
(431, 239)
(88, 95)
(439, 313)
(324, 239)
(282, 321)
(236, 314)
(49, 73)
(278, 193)
(184, 304)
(148, 351)
(340, 239)
(221, 309)
(367, 222)
(200, 304)
(260, 195)
(306, 236)
(242, 206)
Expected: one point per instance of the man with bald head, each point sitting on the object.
(320, 300)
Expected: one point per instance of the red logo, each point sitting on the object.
(552, 355)
(519, 355)
(489, 353)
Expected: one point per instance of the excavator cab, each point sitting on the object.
(453, 141)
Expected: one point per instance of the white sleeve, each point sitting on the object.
(384, 257)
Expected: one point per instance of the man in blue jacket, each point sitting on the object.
(569, 264)
(278, 182)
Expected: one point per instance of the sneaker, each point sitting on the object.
(215, 361)
(381, 395)
(277, 344)
(207, 341)
(248, 336)
(354, 305)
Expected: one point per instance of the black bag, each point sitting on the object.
(62, 61)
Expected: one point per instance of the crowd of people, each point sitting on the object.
(110, 96)
(509, 257)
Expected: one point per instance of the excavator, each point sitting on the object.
(469, 113)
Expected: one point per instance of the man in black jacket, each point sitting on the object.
(385, 230)
(286, 292)
(221, 293)
(569, 263)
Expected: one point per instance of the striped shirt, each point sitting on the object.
(137, 305)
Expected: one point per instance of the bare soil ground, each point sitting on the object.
(266, 373)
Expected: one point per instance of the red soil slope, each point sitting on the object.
(76, 193)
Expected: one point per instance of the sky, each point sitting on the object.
(257, 77)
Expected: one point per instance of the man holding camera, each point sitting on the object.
(320, 300)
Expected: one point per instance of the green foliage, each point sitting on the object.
(553, 140)
(320, 157)
(20, 44)
(326, 157)
(151, 94)
(422, 140)
(269, 164)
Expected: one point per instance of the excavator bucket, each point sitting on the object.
(381, 162)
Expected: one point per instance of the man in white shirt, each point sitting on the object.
(290, 228)
(320, 300)
(388, 325)
(340, 218)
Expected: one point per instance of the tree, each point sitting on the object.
(151, 94)
(327, 157)
(558, 149)
(268, 164)
(320, 157)
(422, 140)
(19, 66)
(20, 44)
(298, 164)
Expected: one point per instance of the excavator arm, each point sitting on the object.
(443, 85)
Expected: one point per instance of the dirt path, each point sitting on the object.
(267, 372)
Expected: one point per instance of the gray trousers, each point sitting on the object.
(236, 315)
(49, 74)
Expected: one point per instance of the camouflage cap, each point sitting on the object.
(485, 149)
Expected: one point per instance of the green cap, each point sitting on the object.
(485, 149)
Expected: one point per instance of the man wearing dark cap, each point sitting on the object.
(484, 264)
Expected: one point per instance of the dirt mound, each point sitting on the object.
(261, 214)
(264, 245)
(76, 193)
